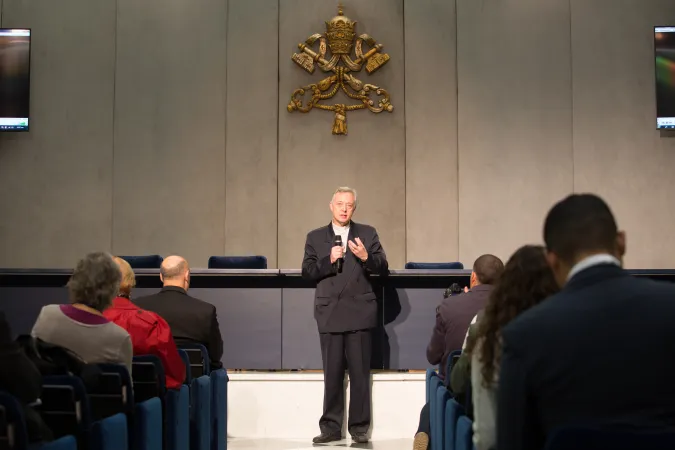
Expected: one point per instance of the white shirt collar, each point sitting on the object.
(595, 260)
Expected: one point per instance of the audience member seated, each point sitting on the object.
(20, 378)
(150, 334)
(598, 353)
(80, 326)
(191, 320)
(455, 313)
(527, 280)
(453, 317)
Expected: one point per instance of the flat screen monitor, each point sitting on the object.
(14, 79)
(664, 50)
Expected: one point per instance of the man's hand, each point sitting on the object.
(358, 249)
(336, 253)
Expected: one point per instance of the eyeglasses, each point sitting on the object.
(341, 205)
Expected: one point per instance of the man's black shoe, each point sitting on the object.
(360, 438)
(324, 438)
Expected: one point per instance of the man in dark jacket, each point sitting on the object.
(598, 353)
(191, 320)
(453, 317)
(20, 378)
(455, 313)
(345, 309)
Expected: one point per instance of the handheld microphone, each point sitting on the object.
(338, 263)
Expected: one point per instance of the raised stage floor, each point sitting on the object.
(306, 444)
(281, 410)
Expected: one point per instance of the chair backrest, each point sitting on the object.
(453, 411)
(65, 405)
(149, 378)
(198, 355)
(200, 414)
(435, 266)
(464, 434)
(13, 433)
(431, 373)
(186, 362)
(144, 261)
(590, 437)
(438, 433)
(114, 393)
(453, 357)
(238, 262)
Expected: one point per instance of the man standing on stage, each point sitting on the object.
(340, 257)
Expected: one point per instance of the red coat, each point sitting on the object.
(150, 335)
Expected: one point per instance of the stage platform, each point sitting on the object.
(283, 405)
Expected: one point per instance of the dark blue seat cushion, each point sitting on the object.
(435, 266)
(144, 262)
(238, 262)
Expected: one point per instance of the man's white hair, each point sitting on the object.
(343, 189)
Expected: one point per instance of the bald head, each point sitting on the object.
(175, 271)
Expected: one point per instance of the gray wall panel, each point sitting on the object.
(617, 151)
(56, 180)
(515, 121)
(431, 131)
(170, 128)
(407, 336)
(252, 120)
(312, 162)
(22, 305)
(300, 335)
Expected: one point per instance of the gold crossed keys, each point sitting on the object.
(340, 36)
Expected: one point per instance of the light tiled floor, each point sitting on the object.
(306, 444)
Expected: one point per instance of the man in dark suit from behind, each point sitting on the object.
(600, 351)
(191, 320)
(455, 313)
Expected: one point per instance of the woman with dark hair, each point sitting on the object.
(526, 281)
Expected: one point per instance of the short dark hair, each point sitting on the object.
(95, 281)
(488, 268)
(580, 223)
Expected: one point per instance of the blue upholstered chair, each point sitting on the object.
(453, 411)
(435, 266)
(115, 393)
(147, 427)
(110, 433)
(438, 428)
(238, 262)
(11, 415)
(178, 418)
(186, 361)
(144, 262)
(463, 434)
(199, 360)
(219, 380)
(65, 406)
(431, 373)
(449, 363)
(587, 438)
(200, 414)
(149, 382)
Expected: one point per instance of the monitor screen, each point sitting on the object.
(14, 79)
(664, 49)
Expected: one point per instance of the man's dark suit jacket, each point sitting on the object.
(191, 320)
(343, 301)
(600, 352)
(453, 317)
